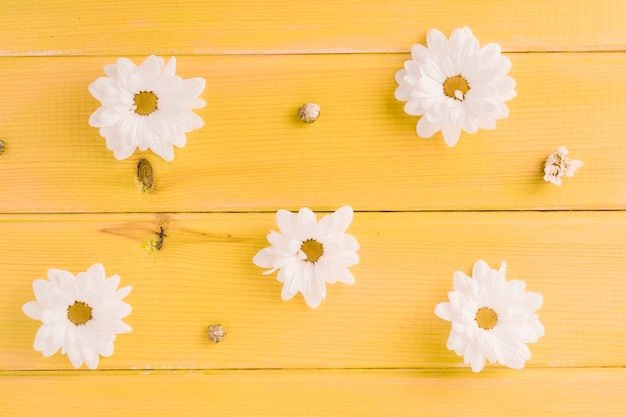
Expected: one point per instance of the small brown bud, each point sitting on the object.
(144, 175)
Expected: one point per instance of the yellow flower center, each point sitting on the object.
(79, 313)
(145, 102)
(456, 87)
(486, 318)
(312, 249)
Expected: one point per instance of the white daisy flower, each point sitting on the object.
(146, 107)
(453, 84)
(81, 314)
(558, 164)
(309, 253)
(491, 319)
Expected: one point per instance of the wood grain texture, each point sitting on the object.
(203, 274)
(70, 27)
(547, 392)
(254, 154)
(424, 210)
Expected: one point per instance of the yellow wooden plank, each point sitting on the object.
(548, 393)
(254, 154)
(69, 27)
(204, 274)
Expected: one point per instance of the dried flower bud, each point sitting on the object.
(216, 333)
(309, 112)
(144, 175)
(558, 165)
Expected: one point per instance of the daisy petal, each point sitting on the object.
(91, 358)
(290, 288)
(419, 53)
(426, 129)
(152, 67)
(403, 92)
(106, 349)
(265, 258)
(436, 41)
(287, 222)
(315, 294)
(342, 219)
(170, 68)
(451, 134)
(307, 222)
(444, 311)
(475, 356)
(344, 276)
(33, 310)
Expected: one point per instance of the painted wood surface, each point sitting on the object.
(203, 274)
(73, 27)
(423, 210)
(493, 393)
(255, 154)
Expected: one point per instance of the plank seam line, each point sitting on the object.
(44, 54)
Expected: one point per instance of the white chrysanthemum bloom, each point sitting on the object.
(146, 107)
(454, 84)
(492, 319)
(558, 164)
(81, 314)
(308, 254)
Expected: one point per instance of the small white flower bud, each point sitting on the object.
(309, 112)
(216, 333)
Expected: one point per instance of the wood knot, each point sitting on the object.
(161, 235)
(144, 175)
(2, 148)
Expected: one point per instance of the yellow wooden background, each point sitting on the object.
(422, 210)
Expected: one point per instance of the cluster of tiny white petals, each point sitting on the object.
(476, 103)
(163, 128)
(84, 342)
(296, 272)
(558, 165)
(515, 326)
